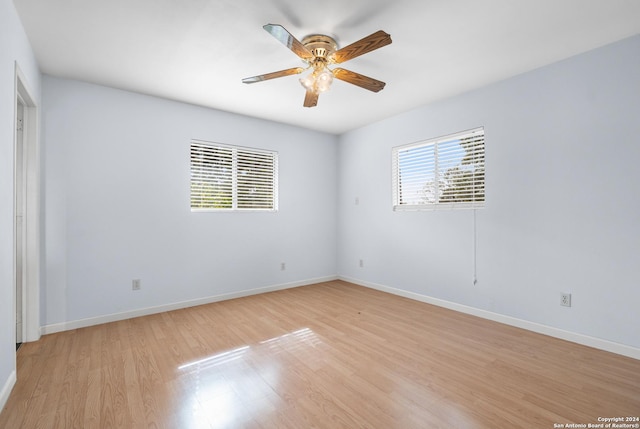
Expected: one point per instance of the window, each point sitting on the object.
(447, 172)
(233, 178)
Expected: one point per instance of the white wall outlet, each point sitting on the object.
(357, 201)
(361, 263)
(135, 284)
(565, 299)
(283, 266)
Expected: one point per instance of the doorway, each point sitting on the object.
(26, 214)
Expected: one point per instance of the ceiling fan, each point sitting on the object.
(319, 52)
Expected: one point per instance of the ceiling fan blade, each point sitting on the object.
(359, 79)
(311, 99)
(281, 73)
(280, 33)
(362, 46)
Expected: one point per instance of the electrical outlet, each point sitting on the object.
(565, 299)
(283, 266)
(361, 263)
(135, 284)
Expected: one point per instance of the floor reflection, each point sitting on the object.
(232, 387)
(299, 335)
(217, 359)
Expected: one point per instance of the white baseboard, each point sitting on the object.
(83, 323)
(586, 340)
(6, 389)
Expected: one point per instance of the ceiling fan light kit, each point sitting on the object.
(319, 52)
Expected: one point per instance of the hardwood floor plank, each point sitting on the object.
(331, 355)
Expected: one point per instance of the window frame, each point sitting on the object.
(234, 188)
(437, 173)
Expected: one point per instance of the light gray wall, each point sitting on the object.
(117, 205)
(562, 199)
(14, 48)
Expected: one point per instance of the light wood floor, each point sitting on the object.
(332, 355)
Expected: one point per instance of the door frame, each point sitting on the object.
(31, 216)
(19, 227)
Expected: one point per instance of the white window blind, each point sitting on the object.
(233, 178)
(447, 172)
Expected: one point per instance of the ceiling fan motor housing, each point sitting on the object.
(320, 46)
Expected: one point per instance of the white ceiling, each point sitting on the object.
(197, 51)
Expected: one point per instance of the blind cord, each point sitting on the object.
(475, 249)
